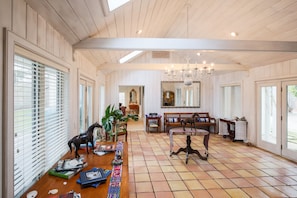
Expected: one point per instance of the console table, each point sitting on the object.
(48, 182)
(188, 149)
(153, 121)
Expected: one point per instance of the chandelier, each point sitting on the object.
(188, 74)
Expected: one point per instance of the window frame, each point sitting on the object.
(238, 112)
(87, 104)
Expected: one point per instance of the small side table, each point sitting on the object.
(153, 122)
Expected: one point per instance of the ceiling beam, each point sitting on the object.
(169, 44)
(144, 66)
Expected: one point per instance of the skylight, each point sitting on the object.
(114, 4)
(130, 56)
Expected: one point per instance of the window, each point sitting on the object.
(114, 4)
(85, 104)
(189, 97)
(130, 56)
(178, 97)
(40, 120)
(231, 103)
(122, 98)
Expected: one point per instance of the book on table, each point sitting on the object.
(70, 164)
(106, 147)
(62, 174)
(102, 149)
(66, 174)
(67, 168)
(93, 176)
(106, 173)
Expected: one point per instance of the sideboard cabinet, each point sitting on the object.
(235, 129)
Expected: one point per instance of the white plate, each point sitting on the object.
(32, 194)
(53, 191)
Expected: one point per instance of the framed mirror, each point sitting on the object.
(133, 97)
(177, 94)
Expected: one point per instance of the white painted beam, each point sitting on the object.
(144, 66)
(169, 44)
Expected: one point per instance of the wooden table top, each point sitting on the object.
(48, 182)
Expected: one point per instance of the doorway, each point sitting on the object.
(277, 115)
(131, 101)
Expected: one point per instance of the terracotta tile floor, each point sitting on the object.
(232, 169)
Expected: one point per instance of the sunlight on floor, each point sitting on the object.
(136, 125)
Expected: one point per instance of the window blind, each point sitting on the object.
(40, 120)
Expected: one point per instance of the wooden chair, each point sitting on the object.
(121, 129)
(99, 135)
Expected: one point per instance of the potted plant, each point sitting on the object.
(113, 117)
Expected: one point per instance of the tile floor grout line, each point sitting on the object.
(222, 152)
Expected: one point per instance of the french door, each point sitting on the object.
(277, 117)
(85, 104)
(289, 119)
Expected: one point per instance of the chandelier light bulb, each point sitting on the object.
(139, 31)
(234, 34)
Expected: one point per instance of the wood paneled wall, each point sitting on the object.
(31, 26)
(28, 24)
(151, 80)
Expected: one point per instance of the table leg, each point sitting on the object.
(188, 150)
(205, 142)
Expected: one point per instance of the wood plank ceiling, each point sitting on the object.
(257, 20)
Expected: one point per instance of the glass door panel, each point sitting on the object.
(85, 104)
(82, 123)
(269, 136)
(89, 104)
(289, 125)
(268, 114)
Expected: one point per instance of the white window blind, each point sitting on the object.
(231, 101)
(40, 120)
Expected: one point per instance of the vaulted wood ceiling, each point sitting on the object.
(82, 21)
